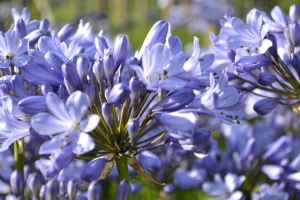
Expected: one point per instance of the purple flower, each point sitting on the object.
(12, 50)
(158, 70)
(226, 189)
(68, 122)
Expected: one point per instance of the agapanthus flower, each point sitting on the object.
(67, 123)
(12, 50)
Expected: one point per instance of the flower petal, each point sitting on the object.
(57, 107)
(51, 146)
(77, 105)
(82, 143)
(46, 124)
(89, 123)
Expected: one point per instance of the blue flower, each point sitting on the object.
(12, 50)
(251, 37)
(226, 189)
(158, 70)
(67, 123)
(273, 192)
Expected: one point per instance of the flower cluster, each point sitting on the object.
(79, 97)
(265, 55)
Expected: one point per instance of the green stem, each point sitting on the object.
(18, 157)
(19, 164)
(123, 172)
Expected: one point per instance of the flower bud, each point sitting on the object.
(157, 34)
(231, 54)
(98, 71)
(45, 89)
(42, 193)
(287, 34)
(65, 32)
(120, 51)
(64, 196)
(266, 79)
(27, 171)
(294, 30)
(62, 92)
(35, 182)
(5, 84)
(90, 92)
(55, 61)
(70, 89)
(175, 101)
(273, 48)
(21, 28)
(101, 45)
(82, 67)
(297, 50)
(295, 61)
(62, 188)
(33, 105)
(133, 129)
(133, 61)
(51, 190)
(135, 88)
(119, 93)
(265, 106)
(93, 170)
(123, 190)
(150, 161)
(28, 191)
(71, 75)
(108, 63)
(16, 182)
(94, 191)
(294, 13)
(72, 189)
(169, 188)
(44, 26)
(106, 93)
(91, 77)
(34, 37)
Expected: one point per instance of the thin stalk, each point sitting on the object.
(114, 137)
(148, 130)
(267, 89)
(19, 159)
(123, 172)
(141, 105)
(159, 145)
(145, 107)
(115, 119)
(161, 135)
(18, 153)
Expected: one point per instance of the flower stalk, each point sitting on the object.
(123, 172)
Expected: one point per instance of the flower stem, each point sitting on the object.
(18, 154)
(18, 157)
(123, 172)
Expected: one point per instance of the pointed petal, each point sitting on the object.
(173, 83)
(265, 45)
(82, 143)
(57, 107)
(77, 105)
(89, 123)
(46, 124)
(241, 28)
(51, 146)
